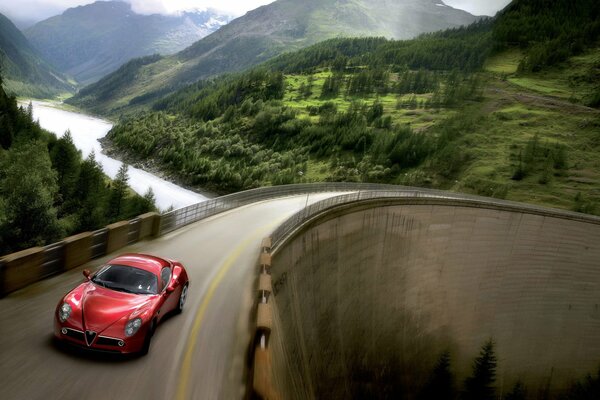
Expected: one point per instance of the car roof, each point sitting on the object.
(142, 261)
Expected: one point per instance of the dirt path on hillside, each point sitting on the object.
(523, 96)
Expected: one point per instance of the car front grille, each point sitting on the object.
(107, 341)
(75, 334)
(101, 341)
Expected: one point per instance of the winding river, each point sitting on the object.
(86, 131)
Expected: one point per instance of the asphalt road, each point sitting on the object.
(199, 354)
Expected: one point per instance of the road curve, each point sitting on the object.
(199, 354)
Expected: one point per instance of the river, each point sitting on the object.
(86, 132)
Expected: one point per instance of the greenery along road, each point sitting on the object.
(47, 191)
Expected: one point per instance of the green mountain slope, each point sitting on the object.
(450, 110)
(90, 41)
(25, 73)
(271, 30)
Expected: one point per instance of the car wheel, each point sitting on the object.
(182, 298)
(148, 338)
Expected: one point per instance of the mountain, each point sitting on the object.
(261, 34)
(463, 109)
(25, 72)
(88, 42)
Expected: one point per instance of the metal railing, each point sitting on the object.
(285, 230)
(134, 231)
(54, 255)
(99, 242)
(176, 219)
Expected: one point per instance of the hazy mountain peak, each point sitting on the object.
(92, 40)
(284, 25)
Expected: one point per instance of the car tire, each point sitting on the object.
(182, 299)
(148, 338)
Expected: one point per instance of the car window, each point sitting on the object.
(165, 277)
(124, 278)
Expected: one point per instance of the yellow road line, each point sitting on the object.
(186, 366)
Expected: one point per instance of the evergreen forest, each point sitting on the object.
(47, 191)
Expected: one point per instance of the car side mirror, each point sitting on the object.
(87, 274)
(170, 289)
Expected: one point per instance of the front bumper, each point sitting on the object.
(101, 342)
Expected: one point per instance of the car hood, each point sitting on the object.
(101, 307)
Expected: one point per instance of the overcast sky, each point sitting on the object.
(37, 10)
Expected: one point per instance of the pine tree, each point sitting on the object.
(66, 162)
(141, 205)
(440, 385)
(118, 193)
(28, 187)
(517, 393)
(90, 195)
(480, 386)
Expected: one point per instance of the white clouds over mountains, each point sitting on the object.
(37, 10)
(41, 9)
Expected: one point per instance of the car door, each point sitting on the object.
(170, 299)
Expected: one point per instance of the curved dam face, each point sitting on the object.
(367, 298)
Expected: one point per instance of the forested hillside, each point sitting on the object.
(340, 103)
(23, 69)
(264, 33)
(47, 191)
(448, 110)
(549, 32)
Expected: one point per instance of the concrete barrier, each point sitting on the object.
(264, 318)
(2, 291)
(262, 386)
(366, 299)
(262, 375)
(117, 236)
(78, 250)
(264, 283)
(22, 268)
(266, 245)
(265, 263)
(157, 225)
(147, 222)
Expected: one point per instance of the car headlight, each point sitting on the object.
(64, 312)
(133, 326)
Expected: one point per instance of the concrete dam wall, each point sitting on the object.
(367, 297)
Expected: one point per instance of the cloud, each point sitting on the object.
(41, 9)
(149, 6)
(479, 7)
(37, 9)
(235, 7)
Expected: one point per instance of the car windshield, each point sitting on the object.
(127, 279)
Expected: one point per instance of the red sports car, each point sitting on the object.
(118, 308)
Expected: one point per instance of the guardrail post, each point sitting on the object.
(147, 222)
(265, 263)
(261, 367)
(133, 233)
(78, 250)
(99, 241)
(117, 236)
(2, 290)
(265, 246)
(22, 268)
(157, 225)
